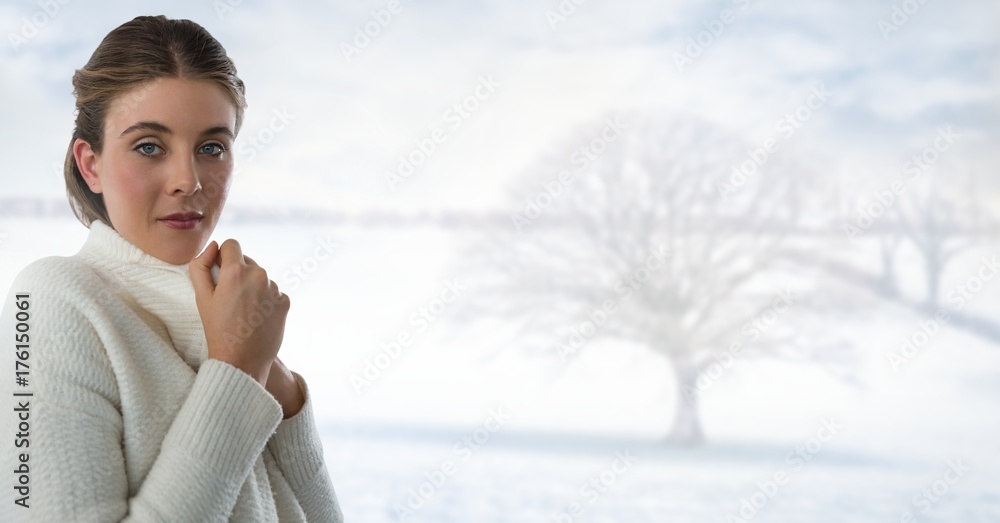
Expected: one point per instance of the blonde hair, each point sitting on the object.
(134, 53)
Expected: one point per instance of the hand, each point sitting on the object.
(244, 314)
(282, 385)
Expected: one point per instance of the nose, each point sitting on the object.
(184, 177)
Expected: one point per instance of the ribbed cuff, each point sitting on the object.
(227, 418)
(215, 439)
(296, 444)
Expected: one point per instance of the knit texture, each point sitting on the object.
(129, 420)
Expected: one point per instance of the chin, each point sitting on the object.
(178, 257)
(176, 261)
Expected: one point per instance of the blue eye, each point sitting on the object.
(147, 149)
(220, 148)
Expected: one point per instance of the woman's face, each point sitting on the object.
(167, 149)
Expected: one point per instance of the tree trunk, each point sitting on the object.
(687, 428)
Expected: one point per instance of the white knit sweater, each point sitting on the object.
(128, 420)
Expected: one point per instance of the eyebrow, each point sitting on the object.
(160, 128)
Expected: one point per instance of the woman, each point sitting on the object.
(149, 387)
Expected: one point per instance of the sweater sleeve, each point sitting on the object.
(298, 452)
(74, 422)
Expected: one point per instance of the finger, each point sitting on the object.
(231, 253)
(249, 261)
(200, 269)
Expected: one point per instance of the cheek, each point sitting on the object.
(216, 184)
(141, 183)
(136, 186)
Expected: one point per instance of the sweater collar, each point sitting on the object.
(107, 244)
(162, 289)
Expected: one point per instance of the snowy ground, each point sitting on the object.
(532, 480)
(922, 441)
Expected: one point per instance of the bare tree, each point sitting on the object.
(676, 225)
(940, 218)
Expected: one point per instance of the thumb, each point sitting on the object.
(200, 270)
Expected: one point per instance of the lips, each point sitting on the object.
(183, 216)
(182, 220)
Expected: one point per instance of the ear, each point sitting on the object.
(86, 161)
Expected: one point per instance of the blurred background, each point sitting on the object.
(574, 261)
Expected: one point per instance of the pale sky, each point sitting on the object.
(354, 118)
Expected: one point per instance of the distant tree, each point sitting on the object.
(941, 216)
(661, 223)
